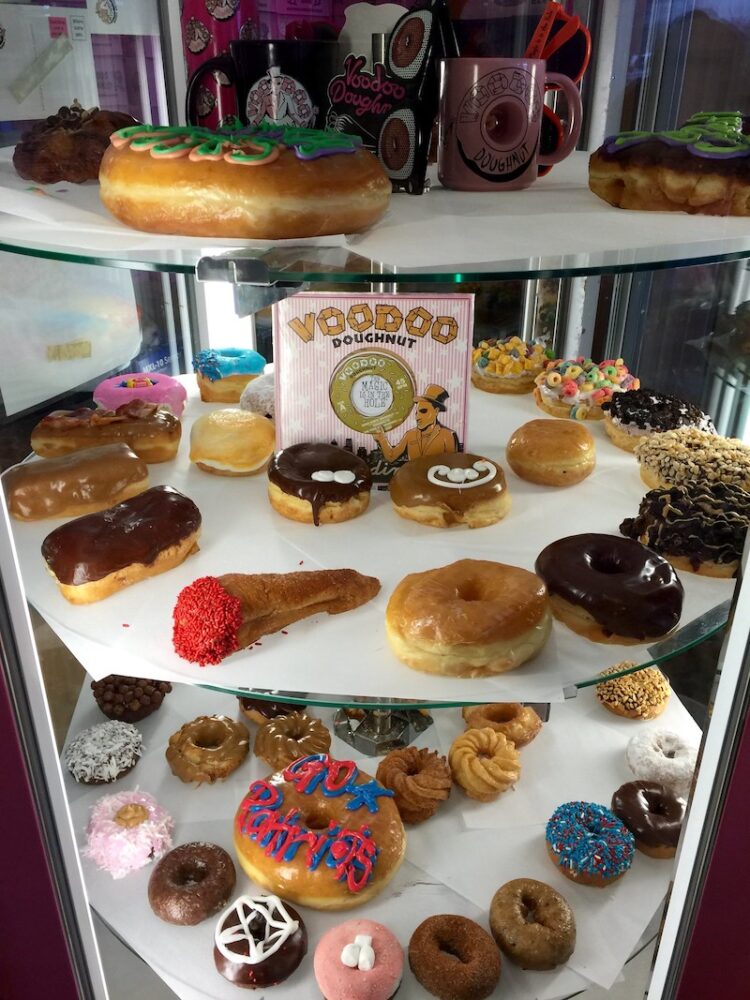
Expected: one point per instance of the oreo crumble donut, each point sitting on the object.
(697, 527)
(631, 416)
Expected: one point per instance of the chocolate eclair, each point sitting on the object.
(631, 416)
(444, 490)
(318, 483)
(699, 527)
(96, 555)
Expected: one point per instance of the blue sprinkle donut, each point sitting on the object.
(222, 375)
(589, 844)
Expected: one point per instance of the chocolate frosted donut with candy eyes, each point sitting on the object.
(450, 489)
(608, 591)
(318, 484)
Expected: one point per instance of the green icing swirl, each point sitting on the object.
(711, 134)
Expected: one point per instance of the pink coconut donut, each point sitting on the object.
(161, 389)
(358, 960)
(126, 831)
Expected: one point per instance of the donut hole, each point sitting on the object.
(451, 950)
(190, 874)
(210, 737)
(605, 562)
(316, 820)
(527, 908)
(502, 712)
(468, 591)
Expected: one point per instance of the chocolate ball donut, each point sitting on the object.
(611, 589)
(259, 941)
(191, 883)
(532, 924)
(438, 942)
(129, 699)
(653, 813)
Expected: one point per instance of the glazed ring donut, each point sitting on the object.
(207, 749)
(589, 844)
(663, 756)
(191, 883)
(287, 737)
(484, 763)
(347, 836)
(611, 589)
(532, 924)
(438, 942)
(518, 723)
(473, 618)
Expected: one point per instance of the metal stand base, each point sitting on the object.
(375, 732)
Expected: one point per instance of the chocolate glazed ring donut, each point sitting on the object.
(191, 883)
(653, 813)
(532, 924)
(438, 942)
(611, 589)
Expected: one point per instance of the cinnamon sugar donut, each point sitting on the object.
(484, 763)
(518, 723)
(288, 737)
(207, 749)
(419, 779)
(454, 958)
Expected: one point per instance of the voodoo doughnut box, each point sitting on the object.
(384, 376)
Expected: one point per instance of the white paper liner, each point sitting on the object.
(348, 654)
(467, 866)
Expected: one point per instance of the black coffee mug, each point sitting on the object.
(284, 81)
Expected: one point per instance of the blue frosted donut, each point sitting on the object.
(589, 844)
(215, 365)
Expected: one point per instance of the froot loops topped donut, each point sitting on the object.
(589, 844)
(577, 388)
(222, 375)
(507, 366)
(160, 389)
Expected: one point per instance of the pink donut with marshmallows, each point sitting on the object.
(358, 960)
(160, 389)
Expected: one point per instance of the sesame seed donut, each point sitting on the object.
(518, 723)
(532, 924)
(484, 763)
(640, 695)
(438, 942)
(663, 756)
(589, 844)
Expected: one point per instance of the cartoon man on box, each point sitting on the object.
(429, 437)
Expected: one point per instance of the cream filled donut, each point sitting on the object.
(663, 756)
(126, 831)
(358, 960)
(232, 442)
(160, 389)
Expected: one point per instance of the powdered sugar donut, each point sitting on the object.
(358, 960)
(126, 831)
(258, 396)
(663, 756)
(160, 389)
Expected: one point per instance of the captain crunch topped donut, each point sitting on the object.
(507, 366)
(577, 388)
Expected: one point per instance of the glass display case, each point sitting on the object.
(86, 299)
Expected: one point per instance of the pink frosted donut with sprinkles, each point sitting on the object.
(126, 831)
(576, 388)
(589, 844)
(160, 389)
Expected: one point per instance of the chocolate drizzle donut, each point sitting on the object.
(653, 813)
(626, 591)
(319, 474)
(698, 527)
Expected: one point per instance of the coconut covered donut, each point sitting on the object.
(320, 833)
(267, 182)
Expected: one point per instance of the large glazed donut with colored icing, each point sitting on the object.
(266, 182)
(320, 833)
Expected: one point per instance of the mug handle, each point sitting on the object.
(575, 117)
(226, 65)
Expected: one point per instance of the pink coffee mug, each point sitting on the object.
(490, 119)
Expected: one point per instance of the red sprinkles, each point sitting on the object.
(206, 621)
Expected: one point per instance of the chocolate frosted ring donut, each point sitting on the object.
(653, 813)
(394, 144)
(438, 942)
(191, 883)
(532, 924)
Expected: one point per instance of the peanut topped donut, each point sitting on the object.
(611, 589)
(518, 723)
(318, 483)
(532, 924)
(470, 619)
(320, 833)
(450, 489)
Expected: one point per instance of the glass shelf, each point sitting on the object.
(557, 228)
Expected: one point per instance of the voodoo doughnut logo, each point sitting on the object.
(497, 124)
(106, 11)
(197, 36)
(372, 390)
(281, 99)
(222, 10)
